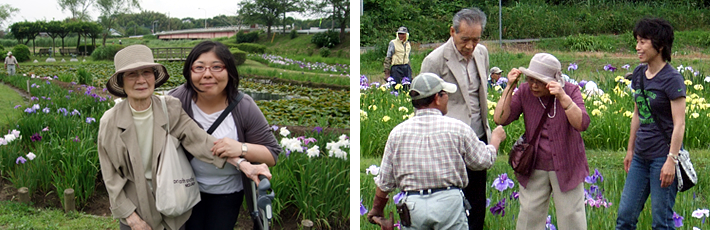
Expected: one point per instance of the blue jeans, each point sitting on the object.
(642, 180)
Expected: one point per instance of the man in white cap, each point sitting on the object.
(494, 77)
(464, 62)
(11, 63)
(430, 153)
(397, 60)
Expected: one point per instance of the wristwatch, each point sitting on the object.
(674, 157)
(244, 149)
(239, 162)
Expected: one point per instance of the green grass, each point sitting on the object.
(7, 105)
(610, 165)
(14, 215)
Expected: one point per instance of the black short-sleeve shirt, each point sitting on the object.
(667, 85)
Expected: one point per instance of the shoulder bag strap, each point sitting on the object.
(226, 112)
(165, 110)
(658, 122)
(542, 121)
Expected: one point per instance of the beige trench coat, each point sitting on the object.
(121, 162)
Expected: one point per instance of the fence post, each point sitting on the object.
(69, 203)
(24, 195)
(307, 224)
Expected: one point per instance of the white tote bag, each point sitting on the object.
(177, 191)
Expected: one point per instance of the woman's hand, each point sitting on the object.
(227, 147)
(136, 223)
(627, 160)
(556, 89)
(513, 76)
(250, 170)
(667, 173)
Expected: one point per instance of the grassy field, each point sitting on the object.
(14, 215)
(609, 164)
(7, 105)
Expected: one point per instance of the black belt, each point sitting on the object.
(429, 191)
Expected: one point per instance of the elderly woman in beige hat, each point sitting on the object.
(561, 165)
(131, 136)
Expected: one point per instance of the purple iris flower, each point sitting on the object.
(395, 93)
(90, 120)
(608, 67)
(318, 129)
(36, 137)
(390, 79)
(76, 139)
(33, 98)
(18, 106)
(627, 66)
(275, 127)
(582, 83)
(503, 182)
(499, 208)
(594, 177)
(488, 202)
(548, 224)
(397, 198)
(502, 80)
(677, 220)
(406, 81)
(20, 159)
(515, 195)
(29, 110)
(572, 66)
(363, 210)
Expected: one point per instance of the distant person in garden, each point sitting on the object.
(211, 84)
(11, 63)
(427, 156)
(131, 136)
(464, 62)
(650, 157)
(397, 60)
(495, 77)
(560, 159)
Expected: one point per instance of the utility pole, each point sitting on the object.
(205, 16)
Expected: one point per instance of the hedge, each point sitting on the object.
(251, 48)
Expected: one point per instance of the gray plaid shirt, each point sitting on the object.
(431, 151)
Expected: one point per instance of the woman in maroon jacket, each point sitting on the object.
(561, 164)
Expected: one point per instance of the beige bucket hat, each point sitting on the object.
(544, 67)
(133, 58)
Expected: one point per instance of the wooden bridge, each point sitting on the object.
(171, 54)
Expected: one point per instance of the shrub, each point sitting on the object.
(84, 76)
(89, 49)
(294, 34)
(239, 56)
(3, 54)
(250, 37)
(251, 48)
(324, 52)
(106, 52)
(328, 39)
(21, 53)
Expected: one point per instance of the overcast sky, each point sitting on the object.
(33, 10)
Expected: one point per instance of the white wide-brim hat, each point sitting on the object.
(133, 58)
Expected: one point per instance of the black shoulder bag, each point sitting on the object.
(683, 167)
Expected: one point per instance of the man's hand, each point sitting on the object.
(387, 73)
(385, 224)
(136, 223)
(497, 136)
(378, 206)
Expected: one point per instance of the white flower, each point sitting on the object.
(334, 148)
(15, 132)
(313, 152)
(700, 213)
(284, 131)
(707, 79)
(9, 138)
(696, 228)
(373, 169)
(2, 141)
(31, 156)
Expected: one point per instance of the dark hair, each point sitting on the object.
(119, 77)
(224, 55)
(659, 31)
(472, 16)
(422, 102)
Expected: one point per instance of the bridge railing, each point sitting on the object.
(171, 54)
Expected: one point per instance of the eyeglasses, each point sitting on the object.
(533, 81)
(214, 68)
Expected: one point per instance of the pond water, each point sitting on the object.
(257, 95)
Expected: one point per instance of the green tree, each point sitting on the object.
(53, 29)
(78, 8)
(338, 11)
(6, 11)
(110, 9)
(261, 11)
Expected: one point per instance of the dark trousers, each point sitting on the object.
(398, 72)
(475, 192)
(216, 211)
